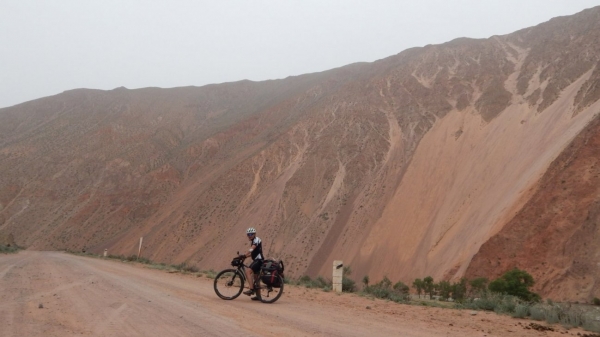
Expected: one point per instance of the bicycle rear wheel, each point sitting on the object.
(269, 294)
(229, 284)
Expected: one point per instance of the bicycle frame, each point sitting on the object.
(242, 270)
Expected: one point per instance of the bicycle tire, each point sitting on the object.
(268, 294)
(229, 284)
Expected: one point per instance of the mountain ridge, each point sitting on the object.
(323, 164)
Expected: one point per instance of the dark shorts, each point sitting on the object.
(255, 266)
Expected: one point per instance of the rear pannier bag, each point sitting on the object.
(270, 270)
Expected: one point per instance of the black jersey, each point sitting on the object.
(257, 253)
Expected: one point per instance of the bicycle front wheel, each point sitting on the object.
(229, 284)
(270, 294)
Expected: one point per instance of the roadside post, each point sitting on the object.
(338, 273)
(105, 252)
(140, 248)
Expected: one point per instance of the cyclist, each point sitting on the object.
(256, 253)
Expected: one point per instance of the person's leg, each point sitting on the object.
(250, 278)
(250, 272)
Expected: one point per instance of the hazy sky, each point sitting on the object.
(47, 47)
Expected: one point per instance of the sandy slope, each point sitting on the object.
(87, 296)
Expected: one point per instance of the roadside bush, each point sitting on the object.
(8, 249)
(537, 313)
(186, 268)
(211, 273)
(144, 260)
(348, 284)
(418, 285)
(365, 281)
(521, 311)
(489, 301)
(459, 290)
(402, 288)
(569, 316)
(444, 289)
(132, 258)
(429, 286)
(596, 301)
(319, 282)
(384, 290)
(478, 286)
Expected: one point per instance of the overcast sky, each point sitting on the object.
(47, 47)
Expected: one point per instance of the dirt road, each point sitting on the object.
(96, 297)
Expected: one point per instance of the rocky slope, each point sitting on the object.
(554, 236)
(403, 167)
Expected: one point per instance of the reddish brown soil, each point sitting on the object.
(555, 236)
(56, 294)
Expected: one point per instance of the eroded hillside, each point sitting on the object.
(554, 236)
(402, 167)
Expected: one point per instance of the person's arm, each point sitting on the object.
(253, 247)
(249, 252)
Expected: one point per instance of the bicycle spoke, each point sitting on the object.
(228, 284)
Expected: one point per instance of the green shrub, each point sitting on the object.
(144, 260)
(418, 285)
(444, 289)
(596, 301)
(552, 315)
(132, 258)
(184, 267)
(506, 305)
(8, 249)
(384, 290)
(428, 286)
(459, 290)
(572, 317)
(515, 282)
(320, 282)
(348, 285)
(401, 287)
(537, 313)
(568, 315)
(521, 311)
(499, 303)
(210, 273)
(304, 279)
(478, 286)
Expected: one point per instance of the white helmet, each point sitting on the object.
(251, 230)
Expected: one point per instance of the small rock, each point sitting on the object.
(368, 307)
(41, 306)
(451, 324)
(473, 313)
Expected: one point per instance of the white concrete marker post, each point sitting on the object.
(338, 273)
(105, 252)
(140, 249)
